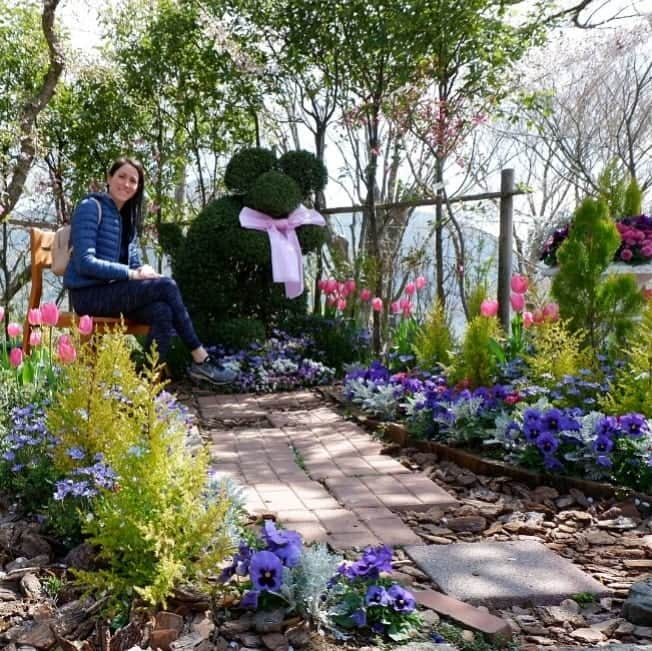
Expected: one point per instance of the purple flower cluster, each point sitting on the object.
(265, 567)
(372, 600)
(279, 364)
(86, 481)
(635, 246)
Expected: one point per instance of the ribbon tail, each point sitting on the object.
(294, 287)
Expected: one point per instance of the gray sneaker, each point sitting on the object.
(209, 371)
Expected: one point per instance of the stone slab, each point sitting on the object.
(503, 574)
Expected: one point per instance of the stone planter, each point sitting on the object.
(642, 272)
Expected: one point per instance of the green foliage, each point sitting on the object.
(156, 526)
(307, 171)
(246, 166)
(455, 636)
(170, 238)
(611, 190)
(633, 200)
(632, 388)
(237, 334)
(603, 309)
(274, 193)
(403, 336)
(476, 295)
(476, 363)
(338, 341)
(556, 352)
(434, 342)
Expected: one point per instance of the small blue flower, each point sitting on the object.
(250, 600)
(401, 600)
(376, 596)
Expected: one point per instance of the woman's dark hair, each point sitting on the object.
(132, 209)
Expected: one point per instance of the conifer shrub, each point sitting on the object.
(151, 515)
(476, 364)
(633, 199)
(555, 353)
(602, 308)
(632, 387)
(434, 341)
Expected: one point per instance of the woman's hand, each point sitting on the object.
(143, 273)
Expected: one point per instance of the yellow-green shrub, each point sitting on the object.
(557, 352)
(632, 387)
(476, 363)
(158, 526)
(434, 342)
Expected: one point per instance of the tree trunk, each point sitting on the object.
(30, 111)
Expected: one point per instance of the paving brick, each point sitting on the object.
(349, 540)
(309, 490)
(339, 521)
(475, 618)
(318, 504)
(382, 484)
(386, 465)
(296, 515)
(322, 471)
(354, 467)
(401, 501)
(393, 531)
(311, 531)
(366, 514)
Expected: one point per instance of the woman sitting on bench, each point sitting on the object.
(105, 276)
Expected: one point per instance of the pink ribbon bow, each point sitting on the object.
(287, 260)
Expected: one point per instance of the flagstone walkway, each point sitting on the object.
(319, 473)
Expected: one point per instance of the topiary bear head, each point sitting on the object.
(274, 186)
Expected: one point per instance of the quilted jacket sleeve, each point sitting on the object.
(134, 253)
(84, 235)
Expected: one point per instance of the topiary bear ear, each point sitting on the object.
(306, 169)
(246, 166)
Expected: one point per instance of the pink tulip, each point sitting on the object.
(517, 301)
(404, 302)
(65, 350)
(341, 288)
(376, 304)
(49, 314)
(86, 325)
(341, 304)
(420, 282)
(331, 285)
(528, 319)
(350, 285)
(35, 338)
(2, 313)
(489, 307)
(410, 288)
(395, 307)
(551, 312)
(365, 295)
(537, 317)
(519, 284)
(331, 300)
(34, 317)
(14, 330)
(322, 285)
(407, 309)
(16, 357)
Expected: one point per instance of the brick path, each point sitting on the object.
(321, 474)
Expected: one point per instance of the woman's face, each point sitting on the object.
(123, 185)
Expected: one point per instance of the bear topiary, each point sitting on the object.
(224, 269)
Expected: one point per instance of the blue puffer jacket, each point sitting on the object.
(96, 246)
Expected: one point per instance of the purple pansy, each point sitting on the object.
(359, 618)
(376, 596)
(250, 600)
(266, 571)
(547, 442)
(633, 425)
(284, 543)
(401, 600)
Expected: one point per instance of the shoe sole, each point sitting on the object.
(199, 379)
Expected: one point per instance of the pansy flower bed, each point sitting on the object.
(281, 363)
(538, 428)
(275, 570)
(635, 247)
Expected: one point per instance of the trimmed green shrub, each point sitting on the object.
(309, 172)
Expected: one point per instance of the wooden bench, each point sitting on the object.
(41, 259)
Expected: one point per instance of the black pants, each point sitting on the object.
(156, 302)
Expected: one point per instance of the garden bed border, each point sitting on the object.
(397, 433)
